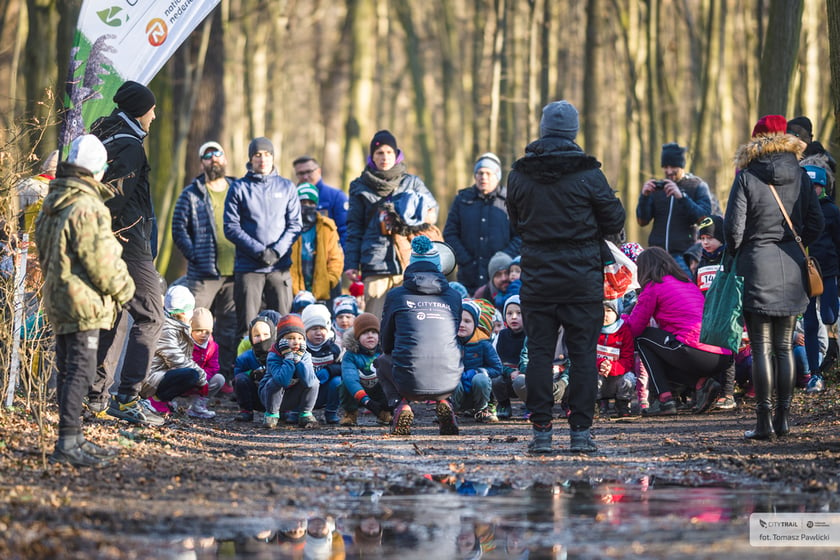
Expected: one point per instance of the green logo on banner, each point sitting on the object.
(112, 16)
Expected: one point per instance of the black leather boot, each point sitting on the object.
(781, 420)
(764, 426)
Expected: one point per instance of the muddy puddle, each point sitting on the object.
(454, 518)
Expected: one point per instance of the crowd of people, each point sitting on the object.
(308, 305)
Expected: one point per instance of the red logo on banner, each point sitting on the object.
(157, 31)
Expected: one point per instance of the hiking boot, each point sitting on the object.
(706, 395)
(331, 417)
(245, 416)
(541, 440)
(658, 408)
(75, 455)
(290, 417)
(581, 441)
(622, 408)
(403, 418)
(505, 411)
(486, 416)
(831, 355)
(198, 409)
(97, 408)
(604, 408)
(447, 423)
(816, 384)
(307, 420)
(350, 418)
(725, 403)
(384, 418)
(96, 450)
(129, 409)
(271, 420)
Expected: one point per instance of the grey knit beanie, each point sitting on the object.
(559, 118)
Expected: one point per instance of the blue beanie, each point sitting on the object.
(422, 249)
(460, 288)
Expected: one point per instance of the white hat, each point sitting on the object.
(178, 299)
(316, 315)
(88, 152)
(207, 145)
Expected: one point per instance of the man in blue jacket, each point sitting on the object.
(477, 226)
(332, 202)
(262, 219)
(197, 230)
(421, 357)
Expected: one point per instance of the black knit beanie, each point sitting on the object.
(673, 155)
(134, 99)
(383, 138)
(261, 144)
(713, 227)
(801, 127)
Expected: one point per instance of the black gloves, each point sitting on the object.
(372, 405)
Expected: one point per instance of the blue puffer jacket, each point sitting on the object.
(194, 229)
(262, 212)
(367, 249)
(334, 201)
(419, 330)
(674, 219)
(476, 228)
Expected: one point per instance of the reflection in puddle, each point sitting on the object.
(461, 518)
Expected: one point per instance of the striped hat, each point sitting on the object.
(308, 191)
(291, 323)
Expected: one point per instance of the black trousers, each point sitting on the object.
(176, 382)
(146, 309)
(670, 362)
(75, 356)
(582, 324)
(252, 288)
(773, 366)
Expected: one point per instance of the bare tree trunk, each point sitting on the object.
(496, 74)
(833, 12)
(454, 106)
(236, 130)
(593, 78)
(39, 61)
(360, 15)
(424, 120)
(778, 59)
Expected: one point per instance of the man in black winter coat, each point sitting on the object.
(133, 216)
(561, 205)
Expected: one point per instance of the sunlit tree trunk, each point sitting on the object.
(593, 79)
(833, 12)
(40, 68)
(362, 62)
(778, 58)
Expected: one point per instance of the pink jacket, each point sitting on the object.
(677, 307)
(207, 358)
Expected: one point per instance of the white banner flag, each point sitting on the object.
(119, 40)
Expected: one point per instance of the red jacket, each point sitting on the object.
(618, 348)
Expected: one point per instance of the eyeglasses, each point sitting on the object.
(305, 172)
(211, 155)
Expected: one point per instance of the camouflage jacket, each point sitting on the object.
(85, 278)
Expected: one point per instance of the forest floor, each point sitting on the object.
(183, 477)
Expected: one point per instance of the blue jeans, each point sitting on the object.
(828, 314)
(477, 397)
(328, 395)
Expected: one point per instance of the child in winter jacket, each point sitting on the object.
(345, 311)
(508, 346)
(360, 384)
(326, 358)
(205, 349)
(481, 362)
(615, 361)
(711, 238)
(289, 382)
(249, 368)
(173, 372)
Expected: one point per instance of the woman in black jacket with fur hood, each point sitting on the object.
(771, 261)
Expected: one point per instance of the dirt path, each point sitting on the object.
(192, 472)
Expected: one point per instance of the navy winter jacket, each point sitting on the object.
(477, 227)
(194, 229)
(420, 322)
(826, 249)
(262, 212)
(674, 219)
(367, 249)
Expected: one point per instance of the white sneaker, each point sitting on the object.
(198, 409)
